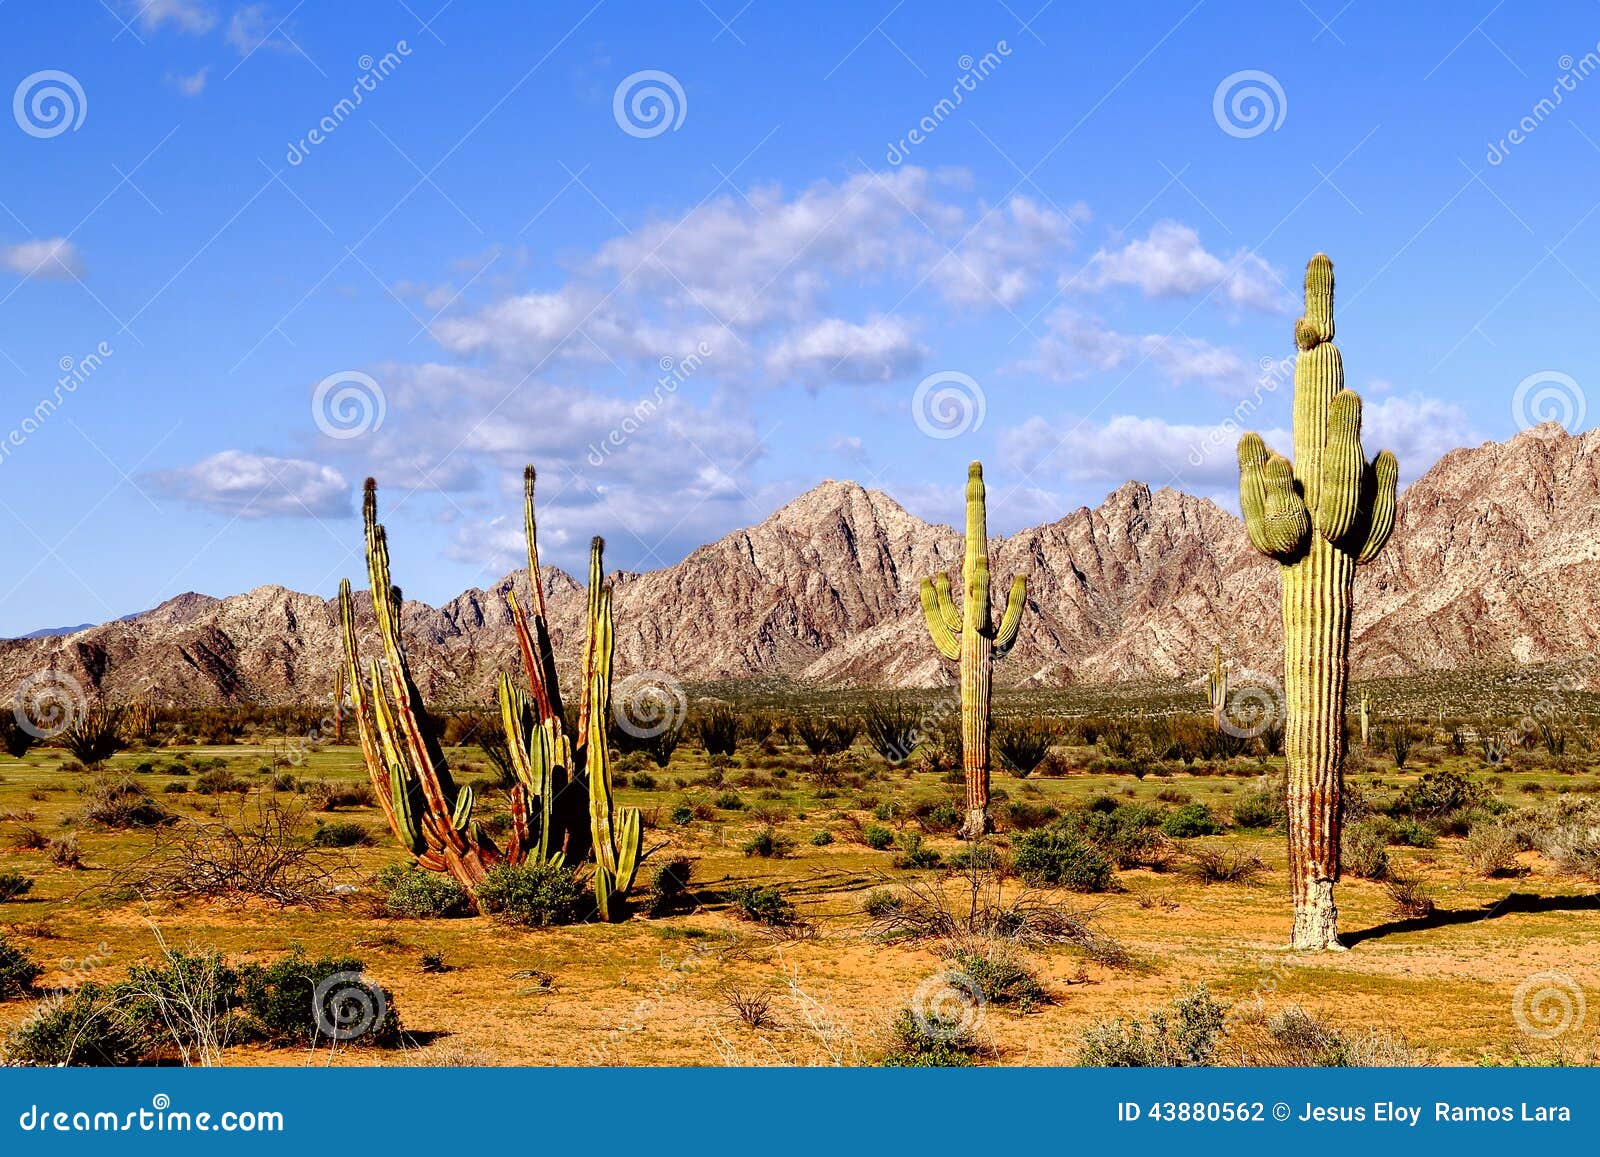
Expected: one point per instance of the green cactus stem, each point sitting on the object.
(1366, 719)
(1217, 687)
(428, 813)
(1318, 517)
(968, 636)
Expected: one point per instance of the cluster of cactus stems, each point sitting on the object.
(969, 636)
(429, 814)
(1318, 518)
(1217, 687)
(338, 704)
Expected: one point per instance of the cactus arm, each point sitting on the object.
(947, 606)
(1385, 476)
(1275, 516)
(938, 628)
(546, 685)
(975, 571)
(1005, 635)
(1343, 466)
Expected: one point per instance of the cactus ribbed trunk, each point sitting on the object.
(977, 657)
(1316, 596)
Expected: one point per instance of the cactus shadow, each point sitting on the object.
(1515, 902)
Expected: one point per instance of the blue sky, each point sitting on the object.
(498, 248)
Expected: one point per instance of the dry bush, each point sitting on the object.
(1409, 899)
(1220, 864)
(752, 1008)
(122, 803)
(261, 853)
(1295, 1038)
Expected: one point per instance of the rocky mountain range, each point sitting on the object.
(1492, 563)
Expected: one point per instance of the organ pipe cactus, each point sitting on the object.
(1318, 518)
(970, 637)
(1217, 687)
(429, 814)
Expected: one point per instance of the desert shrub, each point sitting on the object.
(718, 730)
(1021, 815)
(1440, 793)
(1190, 820)
(999, 975)
(1125, 833)
(1294, 1038)
(18, 970)
(1057, 856)
(1184, 1034)
(893, 726)
(981, 856)
(914, 854)
(669, 886)
(1364, 851)
(730, 801)
(931, 1040)
(942, 816)
(326, 796)
(644, 781)
(1408, 899)
(826, 735)
(15, 738)
(14, 884)
(768, 844)
(218, 781)
(536, 895)
(123, 804)
(822, 838)
(1022, 743)
(1408, 833)
(877, 837)
(175, 789)
(412, 892)
(880, 902)
(283, 781)
(299, 1001)
(763, 905)
(683, 815)
(1261, 807)
(343, 834)
(85, 1028)
(1492, 851)
(259, 853)
(31, 839)
(186, 1001)
(94, 736)
(1220, 864)
(64, 852)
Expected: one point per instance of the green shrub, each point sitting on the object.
(1000, 976)
(218, 781)
(881, 902)
(943, 816)
(913, 854)
(123, 804)
(730, 801)
(669, 886)
(18, 970)
(644, 781)
(1189, 821)
(82, 1029)
(1261, 807)
(763, 905)
(1125, 833)
(683, 815)
(1364, 851)
(14, 884)
(299, 1001)
(931, 1040)
(535, 895)
(410, 891)
(877, 837)
(1492, 851)
(768, 844)
(981, 855)
(1410, 834)
(821, 839)
(1439, 793)
(1055, 855)
(187, 1000)
(343, 834)
(1184, 1034)
(1022, 816)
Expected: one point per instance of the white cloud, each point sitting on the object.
(45, 257)
(191, 85)
(1005, 256)
(252, 27)
(881, 349)
(245, 485)
(1075, 346)
(1129, 448)
(1420, 430)
(184, 15)
(1171, 262)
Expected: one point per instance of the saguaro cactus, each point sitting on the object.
(1318, 517)
(969, 636)
(1217, 687)
(1366, 719)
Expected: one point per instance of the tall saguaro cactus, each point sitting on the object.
(1318, 517)
(1217, 687)
(970, 637)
